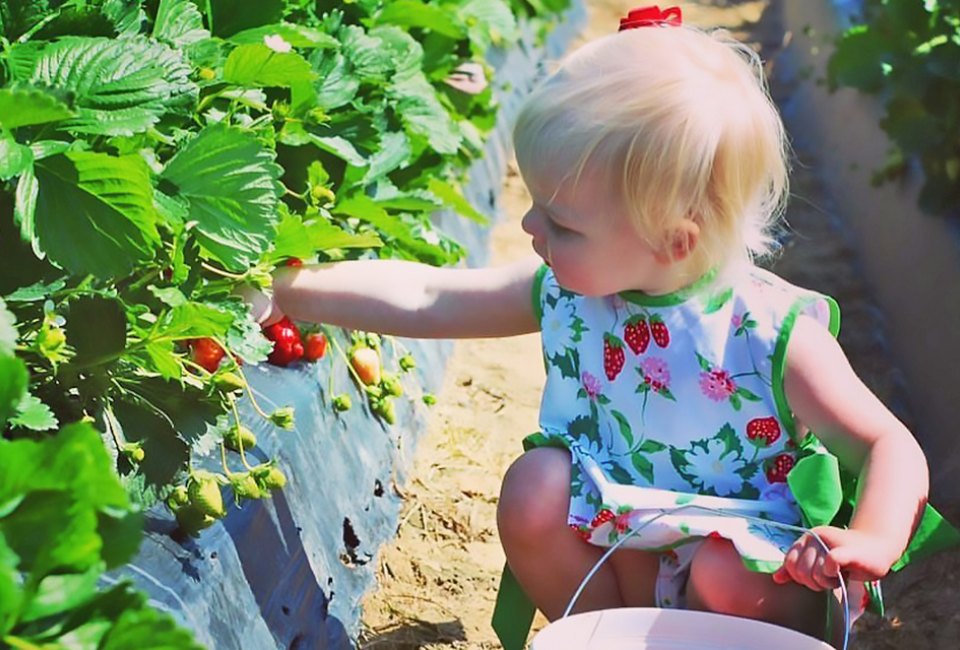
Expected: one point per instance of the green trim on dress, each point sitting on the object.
(535, 291)
(670, 299)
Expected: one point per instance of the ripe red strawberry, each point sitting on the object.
(287, 345)
(293, 261)
(206, 353)
(613, 356)
(661, 335)
(764, 430)
(602, 517)
(637, 334)
(782, 464)
(315, 346)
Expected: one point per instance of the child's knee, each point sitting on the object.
(535, 494)
(715, 567)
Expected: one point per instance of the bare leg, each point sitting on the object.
(720, 583)
(548, 559)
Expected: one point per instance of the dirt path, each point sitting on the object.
(438, 579)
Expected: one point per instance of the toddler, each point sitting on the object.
(678, 372)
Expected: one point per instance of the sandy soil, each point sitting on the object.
(438, 579)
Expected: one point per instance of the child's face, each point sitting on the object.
(588, 241)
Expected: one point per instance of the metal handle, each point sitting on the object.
(768, 522)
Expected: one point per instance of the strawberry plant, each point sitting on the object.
(155, 157)
(908, 53)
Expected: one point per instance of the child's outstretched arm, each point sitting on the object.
(408, 298)
(828, 398)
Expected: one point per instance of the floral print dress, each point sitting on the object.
(675, 404)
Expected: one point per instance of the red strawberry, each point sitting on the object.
(637, 334)
(661, 335)
(782, 464)
(602, 517)
(287, 345)
(613, 356)
(207, 353)
(315, 346)
(293, 261)
(582, 531)
(764, 430)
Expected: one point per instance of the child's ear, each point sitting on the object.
(679, 242)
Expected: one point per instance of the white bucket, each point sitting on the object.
(642, 628)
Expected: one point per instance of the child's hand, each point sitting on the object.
(262, 306)
(860, 555)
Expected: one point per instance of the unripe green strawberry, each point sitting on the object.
(228, 382)
(385, 409)
(178, 498)
(282, 417)
(429, 399)
(407, 362)
(269, 477)
(245, 486)
(239, 436)
(134, 452)
(275, 479)
(391, 385)
(204, 491)
(192, 520)
(341, 402)
(373, 392)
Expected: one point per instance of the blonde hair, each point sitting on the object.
(680, 124)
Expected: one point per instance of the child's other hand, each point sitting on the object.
(860, 555)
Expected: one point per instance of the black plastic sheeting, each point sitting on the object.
(290, 572)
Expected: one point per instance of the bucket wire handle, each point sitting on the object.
(767, 522)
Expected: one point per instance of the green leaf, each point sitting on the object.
(452, 197)
(366, 209)
(731, 441)
(226, 18)
(491, 22)
(179, 23)
(94, 213)
(296, 135)
(416, 13)
(193, 320)
(13, 385)
(423, 115)
(336, 85)
(8, 331)
(25, 209)
(232, 184)
(57, 594)
(163, 359)
(147, 629)
(858, 60)
(651, 446)
(26, 106)
(258, 66)
(11, 594)
(34, 415)
(39, 290)
(301, 238)
(97, 329)
(295, 35)
(393, 153)
(121, 87)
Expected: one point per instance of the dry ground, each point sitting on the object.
(438, 579)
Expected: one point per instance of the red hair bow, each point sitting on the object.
(652, 16)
